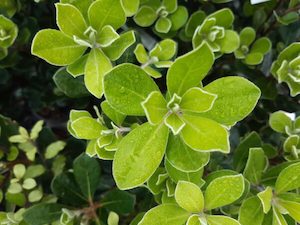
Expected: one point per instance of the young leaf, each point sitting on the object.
(166, 214)
(56, 48)
(113, 219)
(266, 199)
(155, 107)
(70, 20)
(106, 12)
(126, 87)
(223, 191)
(139, 155)
(9, 32)
(189, 197)
(202, 134)
(119, 46)
(237, 97)
(255, 166)
(87, 175)
(145, 17)
(183, 157)
(288, 179)
(278, 218)
(280, 121)
(224, 220)
(293, 209)
(188, 70)
(251, 212)
(87, 128)
(54, 148)
(197, 100)
(97, 66)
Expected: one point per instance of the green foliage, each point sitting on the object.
(175, 114)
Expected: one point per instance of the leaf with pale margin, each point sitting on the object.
(139, 155)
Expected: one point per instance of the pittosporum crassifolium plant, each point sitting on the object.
(159, 112)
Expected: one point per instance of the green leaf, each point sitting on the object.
(166, 214)
(223, 191)
(70, 86)
(251, 212)
(87, 174)
(118, 201)
(67, 190)
(262, 45)
(163, 25)
(139, 155)
(224, 220)
(179, 18)
(266, 199)
(188, 70)
(255, 166)
(87, 128)
(82, 5)
(170, 5)
(145, 17)
(43, 213)
(112, 114)
(197, 100)
(175, 123)
(97, 66)
(202, 134)
(183, 157)
(247, 36)
(54, 148)
(280, 121)
(113, 219)
(106, 12)
(70, 20)
(119, 46)
(141, 54)
(29, 184)
(189, 197)
(107, 36)
(36, 129)
(164, 50)
(155, 107)
(77, 68)
(35, 196)
(56, 48)
(229, 43)
(130, 7)
(178, 175)
(224, 17)
(278, 219)
(288, 179)
(19, 170)
(195, 19)
(237, 97)
(293, 209)
(254, 58)
(34, 171)
(9, 32)
(126, 87)
(14, 188)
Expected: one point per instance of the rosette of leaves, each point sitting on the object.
(275, 204)
(192, 207)
(159, 57)
(201, 116)
(103, 141)
(287, 68)
(252, 51)
(166, 14)
(23, 185)
(216, 30)
(78, 199)
(281, 122)
(69, 45)
(8, 35)
(163, 182)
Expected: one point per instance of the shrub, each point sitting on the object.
(180, 112)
